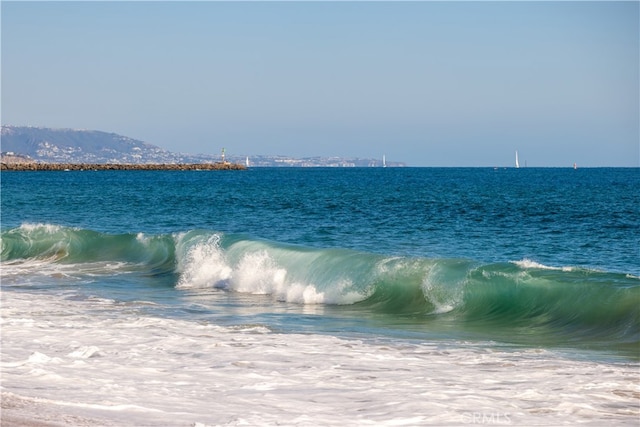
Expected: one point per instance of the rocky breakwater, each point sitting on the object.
(34, 166)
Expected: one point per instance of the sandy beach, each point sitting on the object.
(17, 411)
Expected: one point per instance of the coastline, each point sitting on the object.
(34, 166)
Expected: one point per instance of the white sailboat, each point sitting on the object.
(384, 161)
(246, 162)
(517, 162)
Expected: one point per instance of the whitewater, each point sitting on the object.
(321, 297)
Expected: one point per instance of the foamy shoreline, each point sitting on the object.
(88, 363)
(18, 411)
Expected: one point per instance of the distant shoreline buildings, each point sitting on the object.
(73, 146)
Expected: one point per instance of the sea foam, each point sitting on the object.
(163, 371)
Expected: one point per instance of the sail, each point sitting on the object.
(517, 163)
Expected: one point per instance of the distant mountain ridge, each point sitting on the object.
(52, 145)
(80, 146)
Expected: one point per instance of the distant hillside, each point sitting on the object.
(47, 145)
(80, 146)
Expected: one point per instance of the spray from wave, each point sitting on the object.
(252, 266)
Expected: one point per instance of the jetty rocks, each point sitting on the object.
(35, 166)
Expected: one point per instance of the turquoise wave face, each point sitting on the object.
(77, 246)
(517, 301)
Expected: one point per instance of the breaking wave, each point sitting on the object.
(518, 294)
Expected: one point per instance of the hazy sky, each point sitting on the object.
(427, 83)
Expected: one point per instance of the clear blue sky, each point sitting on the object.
(428, 83)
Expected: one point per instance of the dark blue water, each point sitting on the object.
(523, 255)
(560, 217)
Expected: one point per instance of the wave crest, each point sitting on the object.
(200, 261)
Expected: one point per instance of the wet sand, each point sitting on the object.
(16, 411)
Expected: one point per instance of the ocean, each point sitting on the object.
(321, 296)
